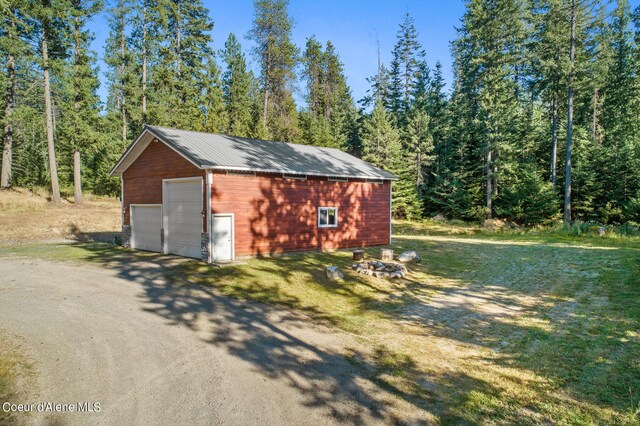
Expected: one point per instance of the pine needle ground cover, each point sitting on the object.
(496, 328)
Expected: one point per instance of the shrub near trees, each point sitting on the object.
(541, 114)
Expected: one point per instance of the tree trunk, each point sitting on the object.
(567, 180)
(266, 90)
(264, 107)
(179, 40)
(123, 108)
(77, 182)
(495, 174)
(7, 147)
(488, 171)
(77, 175)
(554, 139)
(144, 60)
(53, 167)
(594, 117)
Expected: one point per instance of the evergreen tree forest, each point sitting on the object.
(540, 124)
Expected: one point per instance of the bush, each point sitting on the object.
(577, 228)
(632, 209)
(449, 197)
(629, 229)
(528, 199)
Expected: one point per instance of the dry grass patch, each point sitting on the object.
(28, 216)
(16, 378)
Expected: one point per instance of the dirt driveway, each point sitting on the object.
(153, 353)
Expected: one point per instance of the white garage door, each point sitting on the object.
(146, 227)
(183, 216)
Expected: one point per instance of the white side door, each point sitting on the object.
(222, 237)
(146, 227)
(183, 216)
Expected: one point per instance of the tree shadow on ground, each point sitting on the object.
(565, 312)
(349, 385)
(539, 328)
(107, 237)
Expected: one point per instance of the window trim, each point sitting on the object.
(327, 225)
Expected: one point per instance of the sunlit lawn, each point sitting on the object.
(491, 327)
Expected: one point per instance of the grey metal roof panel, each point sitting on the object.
(232, 153)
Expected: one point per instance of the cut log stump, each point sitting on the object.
(358, 254)
(386, 254)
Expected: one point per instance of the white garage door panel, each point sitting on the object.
(146, 227)
(183, 203)
(183, 193)
(187, 218)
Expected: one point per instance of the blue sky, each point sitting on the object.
(351, 25)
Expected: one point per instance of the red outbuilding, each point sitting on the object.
(216, 197)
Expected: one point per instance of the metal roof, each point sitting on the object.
(211, 151)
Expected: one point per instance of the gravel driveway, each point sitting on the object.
(153, 353)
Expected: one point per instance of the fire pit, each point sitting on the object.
(380, 269)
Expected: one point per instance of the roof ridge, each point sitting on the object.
(243, 137)
(192, 131)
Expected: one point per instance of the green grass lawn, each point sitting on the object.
(492, 327)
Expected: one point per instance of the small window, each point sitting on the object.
(375, 181)
(338, 179)
(327, 217)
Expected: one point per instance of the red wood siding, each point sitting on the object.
(143, 179)
(273, 214)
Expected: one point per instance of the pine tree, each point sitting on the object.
(49, 21)
(330, 116)
(570, 96)
(419, 146)
(550, 67)
(380, 141)
(237, 83)
(529, 199)
(379, 89)
(80, 105)
(581, 18)
(191, 56)
(314, 71)
(278, 57)
(455, 190)
(381, 147)
(619, 115)
(214, 111)
(436, 108)
(490, 28)
(12, 45)
(147, 20)
(407, 56)
(121, 70)
(339, 107)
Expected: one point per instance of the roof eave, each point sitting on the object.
(263, 170)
